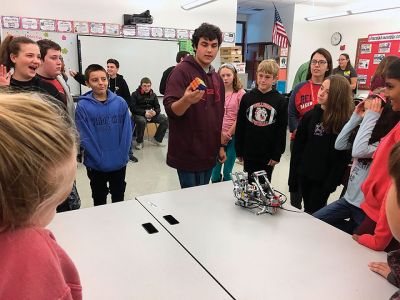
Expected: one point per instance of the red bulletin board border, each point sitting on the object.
(370, 53)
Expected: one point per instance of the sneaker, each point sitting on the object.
(133, 158)
(156, 143)
(139, 146)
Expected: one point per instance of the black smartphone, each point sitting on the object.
(171, 220)
(149, 228)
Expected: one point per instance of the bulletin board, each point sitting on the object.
(371, 51)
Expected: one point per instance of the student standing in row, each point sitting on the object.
(104, 126)
(315, 164)
(233, 95)
(195, 116)
(303, 99)
(38, 168)
(374, 232)
(261, 123)
(50, 71)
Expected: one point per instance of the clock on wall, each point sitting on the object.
(336, 38)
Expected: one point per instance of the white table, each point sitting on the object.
(117, 259)
(284, 256)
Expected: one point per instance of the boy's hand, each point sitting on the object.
(191, 96)
(272, 163)
(222, 155)
(72, 73)
(381, 268)
(4, 76)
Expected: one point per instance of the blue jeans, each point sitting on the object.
(190, 179)
(337, 213)
(228, 165)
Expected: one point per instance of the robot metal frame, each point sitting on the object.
(256, 195)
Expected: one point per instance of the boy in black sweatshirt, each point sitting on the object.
(261, 123)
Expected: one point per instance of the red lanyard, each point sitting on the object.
(312, 90)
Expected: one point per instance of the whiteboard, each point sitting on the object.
(137, 58)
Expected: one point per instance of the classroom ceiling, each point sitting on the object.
(253, 6)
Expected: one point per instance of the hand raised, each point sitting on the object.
(4, 76)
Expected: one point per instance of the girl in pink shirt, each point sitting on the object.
(38, 166)
(233, 95)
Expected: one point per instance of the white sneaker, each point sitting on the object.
(139, 146)
(156, 143)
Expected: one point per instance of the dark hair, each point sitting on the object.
(145, 80)
(348, 65)
(180, 55)
(394, 168)
(206, 31)
(378, 79)
(93, 68)
(325, 53)
(45, 45)
(339, 105)
(113, 61)
(393, 71)
(12, 45)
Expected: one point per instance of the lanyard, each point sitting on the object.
(312, 90)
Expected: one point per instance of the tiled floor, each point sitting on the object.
(152, 175)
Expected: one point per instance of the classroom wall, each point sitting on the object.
(166, 13)
(308, 36)
(260, 24)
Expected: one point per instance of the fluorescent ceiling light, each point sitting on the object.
(189, 4)
(328, 16)
(355, 11)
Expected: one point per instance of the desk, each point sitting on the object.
(284, 256)
(117, 259)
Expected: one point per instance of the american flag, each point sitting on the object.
(279, 36)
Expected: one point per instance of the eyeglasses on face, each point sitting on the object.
(318, 62)
(341, 59)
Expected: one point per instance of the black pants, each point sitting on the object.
(295, 197)
(314, 196)
(100, 190)
(141, 123)
(251, 166)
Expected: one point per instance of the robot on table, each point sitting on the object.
(257, 195)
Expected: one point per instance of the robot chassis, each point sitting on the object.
(257, 195)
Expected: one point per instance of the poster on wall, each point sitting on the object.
(284, 51)
(228, 37)
(384, 47)
(112, 29)
(362, 79)
(170, 33)
(378, 58)
(129, 31)
(366, 48)
(283, 62)
(363, 64)
(30, 23)
(96, 28)
(156, 32)
(182, 34)
(47, 24)
(81, 27)
(191, 32)
(143, 31)
(10, 22)
(64, 26)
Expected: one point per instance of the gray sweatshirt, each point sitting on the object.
(361, 149)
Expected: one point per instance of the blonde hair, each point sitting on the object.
(36, 137)
(339, 105)
(268, 66)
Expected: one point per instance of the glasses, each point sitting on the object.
(341, 59)
(318, 62)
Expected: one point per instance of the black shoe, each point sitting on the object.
(132, 158)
